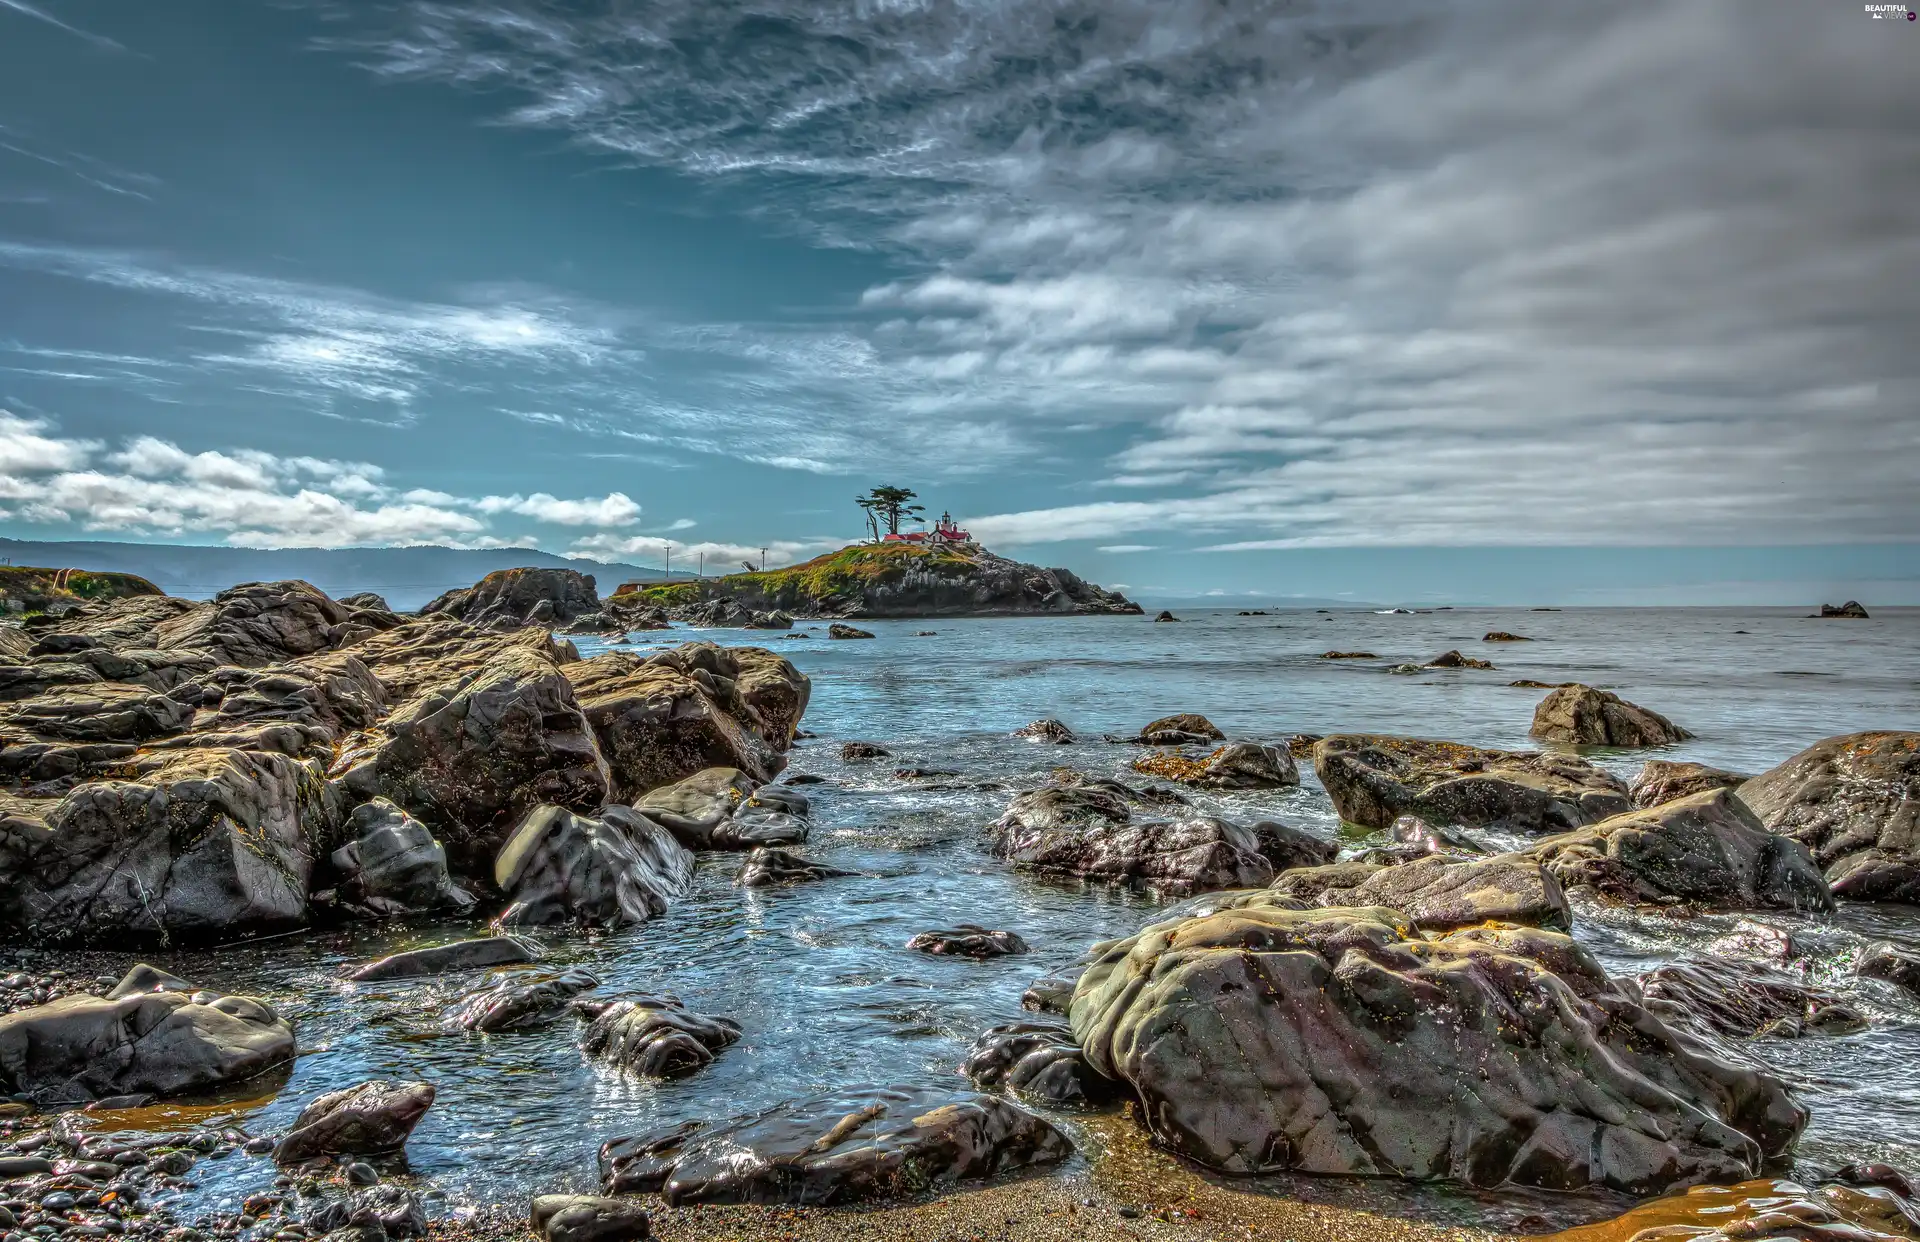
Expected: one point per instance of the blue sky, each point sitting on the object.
(1474, 300)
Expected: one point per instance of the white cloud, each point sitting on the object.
(720, 557)
(613, 509)
(25, 450)
(1129, 547)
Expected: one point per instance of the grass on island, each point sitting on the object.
(29, 588)
(843, 574)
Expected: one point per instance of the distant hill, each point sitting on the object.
(407, 577)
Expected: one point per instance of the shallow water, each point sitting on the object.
(816, 973)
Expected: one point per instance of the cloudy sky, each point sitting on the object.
(1415, 299)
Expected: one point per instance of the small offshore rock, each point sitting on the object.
(1046, 730)
(1501, 636)
(1453, 659)
(1583, 716)
(968, 940)
(654, 1036)
(864, 750)
(1166, 615)
(839, 630)
(1348, 655)
(1850, 610)
(766, 866)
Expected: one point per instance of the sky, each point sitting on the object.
(1477, 301)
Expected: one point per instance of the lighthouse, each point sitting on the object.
(944, 533)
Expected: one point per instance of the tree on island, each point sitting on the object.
(888, 504)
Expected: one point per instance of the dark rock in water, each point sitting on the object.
(141, 1042)
(664, 717)
(1501, 636)
(863, 750)
(1374, 779)
(393, 866)
(396, 1210)
(1453, 659)
(772, 620)
(803, 778)
(1300, 745)
(1348, 655)
(1583, 716)
(1089, 832)
(838, 630)
(366, 1119)
(1343, 1041)
(1240, 765)
(446, 959)
(654, 1036)
(923, 774)
(616, 870)
(1040, 1063)
(1897, 966)
(1287, 847)
(1743, 998)
(1855, 802)
(1439, 893)
(1048, 995)
(1851, 610)
(765, 866)
(519, 1003)
(1433, 838)
(509, 598)
(1663, 780)
(1046, 730)
(366, 599)
(589, 1218)
(1166, 616)
(968, 940)
(863, 1143)
(1190, 724)
(722, 809)
(1707, 849)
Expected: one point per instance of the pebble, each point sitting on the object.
(359, 1174)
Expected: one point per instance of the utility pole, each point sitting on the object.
(669, 546)
(703, 566)
(763, 560)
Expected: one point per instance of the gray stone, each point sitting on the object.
(1854, 801)
(589, 1218)
(445, 959)
(616, 870)
(393, 866)
(1374, 779)
(1583, 716)
(366, 1119)
(654, 1036)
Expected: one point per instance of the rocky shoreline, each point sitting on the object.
(274, 760)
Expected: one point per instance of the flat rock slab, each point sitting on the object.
(1440, 893)
(1374, 779)
(446, 959)
(860, 1143)
(520, 1003)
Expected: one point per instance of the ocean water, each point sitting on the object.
(817, 974)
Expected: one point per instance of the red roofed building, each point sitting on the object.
(944, 531)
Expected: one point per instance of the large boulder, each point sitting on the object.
(1583, 716)
(1854, 801)
(428, 651)
(1663, 780)
(1039, 1063)
(589, 1218)
(1730, 997)
(471, 756)
(725, 809)
(1237, 765)
(393, 866)
(1439, 892)
(258, 623)
(511, 598)
(156, 1040)
(1707, 849)
(333, 693)
(365, 1119)
(862, 1143)
(1343, 1041)
(1374, 779)
(1090, 832)
(205, 843)
(664, 717)
(618, 869)
(654, 1036)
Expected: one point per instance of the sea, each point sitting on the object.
(817, 974)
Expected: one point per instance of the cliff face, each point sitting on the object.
(900, 580)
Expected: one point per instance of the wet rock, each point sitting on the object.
(1046, 730)
(654, 1036)
(1039, 1063)
(1433, 838)
(865, 1143)
(766, 866)
(158, 1043)
(393, 866)
(470, 757)
(772, 620)
(1884, 961)
(1453, 659)
(1663, 780)
(1348, 655)
(1089, 832)
(1583, 716)
(331, 694)
(612, 871)
(1237, 765)
(664, 717)
(1343, 1041)
(518, 1003)
(446, 959)
(589, 1218)
(1051, 994)
(1288, 847)
(1439, 893)
(968, 940)
(1166, 616)
(143, 978)
(97, 713)
(206, 842)
(1189, 724)
(366, 1119)
(509, 598)
(1300, 745)
(863, 750)
(1761, 941)
(839, 630)
(1850, 610)
(395, 1209)
(1743, 998)
(1854, 801)
(257, 623)
(366, 599)
(1374, 779)
(1501, 636)
(1706, 849)
(721, 809)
